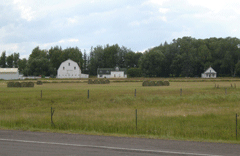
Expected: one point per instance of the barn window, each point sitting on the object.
(63, 68)
(74, 68)
(68, 64)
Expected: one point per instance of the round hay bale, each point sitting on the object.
(159, 83)
(17, 84)
(103, 81)
(30, 84)
(90, 81)
(24, 84)
(10, 84)
(166, 83)
(107, 81)
(151, 83)
(96, 81)
(145, 83)
(39, 82)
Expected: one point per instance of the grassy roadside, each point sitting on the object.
(202, 113)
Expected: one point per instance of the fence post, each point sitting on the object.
(135, 93)
(52, 111)
(236, 127)
(181, 92)
(136, 119)
(88, 94)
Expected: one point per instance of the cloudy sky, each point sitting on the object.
(135, 24)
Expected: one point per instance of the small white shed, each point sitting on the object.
(9, 73)
(209, 73)
(70, 69)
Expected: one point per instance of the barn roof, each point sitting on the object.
(8, 70)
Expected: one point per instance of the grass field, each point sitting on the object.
(202, 113)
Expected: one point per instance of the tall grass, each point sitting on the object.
(201, 113)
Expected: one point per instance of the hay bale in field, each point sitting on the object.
(96, 81)
(39, 83)
(107, 81)
(24, 84)
(17, 84)
(159, 83)
(151, 83)
(10, 84)
(30, 84)
(90, 81)
(102, 81)
(166, 83)
(145, 83)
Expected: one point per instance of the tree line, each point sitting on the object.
(183, 57)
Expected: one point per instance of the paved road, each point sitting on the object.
(23, 143)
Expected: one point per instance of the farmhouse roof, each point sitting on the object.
(210, 70)
(8, 70)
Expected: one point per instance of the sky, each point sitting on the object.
(135, 24)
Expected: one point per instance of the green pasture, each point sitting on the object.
(202, 112)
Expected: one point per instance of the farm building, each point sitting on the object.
(112, 72)
(9, 73)
(70, 69)
(209, 73)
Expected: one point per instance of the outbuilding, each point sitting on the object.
(112, 72)
(70, 69)
(209, 73)
(9, 73)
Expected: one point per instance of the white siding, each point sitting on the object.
(70, 69)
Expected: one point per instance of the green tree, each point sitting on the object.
(3, 60)
(10, 61)
(151, 63)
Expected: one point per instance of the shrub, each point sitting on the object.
(134, 72)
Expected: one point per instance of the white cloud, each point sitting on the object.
(25, 10)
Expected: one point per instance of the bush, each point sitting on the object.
(134, 72)
(151, 83)
(90, 81)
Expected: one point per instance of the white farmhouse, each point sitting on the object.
(9, 73)
(70, 69)
(209, 73)
(112, 72)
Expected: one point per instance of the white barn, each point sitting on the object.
(209, 73)
(70, 69)
(9, 73)
(112, 72)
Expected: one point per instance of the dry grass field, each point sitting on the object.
(202, 112)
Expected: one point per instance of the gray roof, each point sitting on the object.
(8, 70)
(107, 71)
